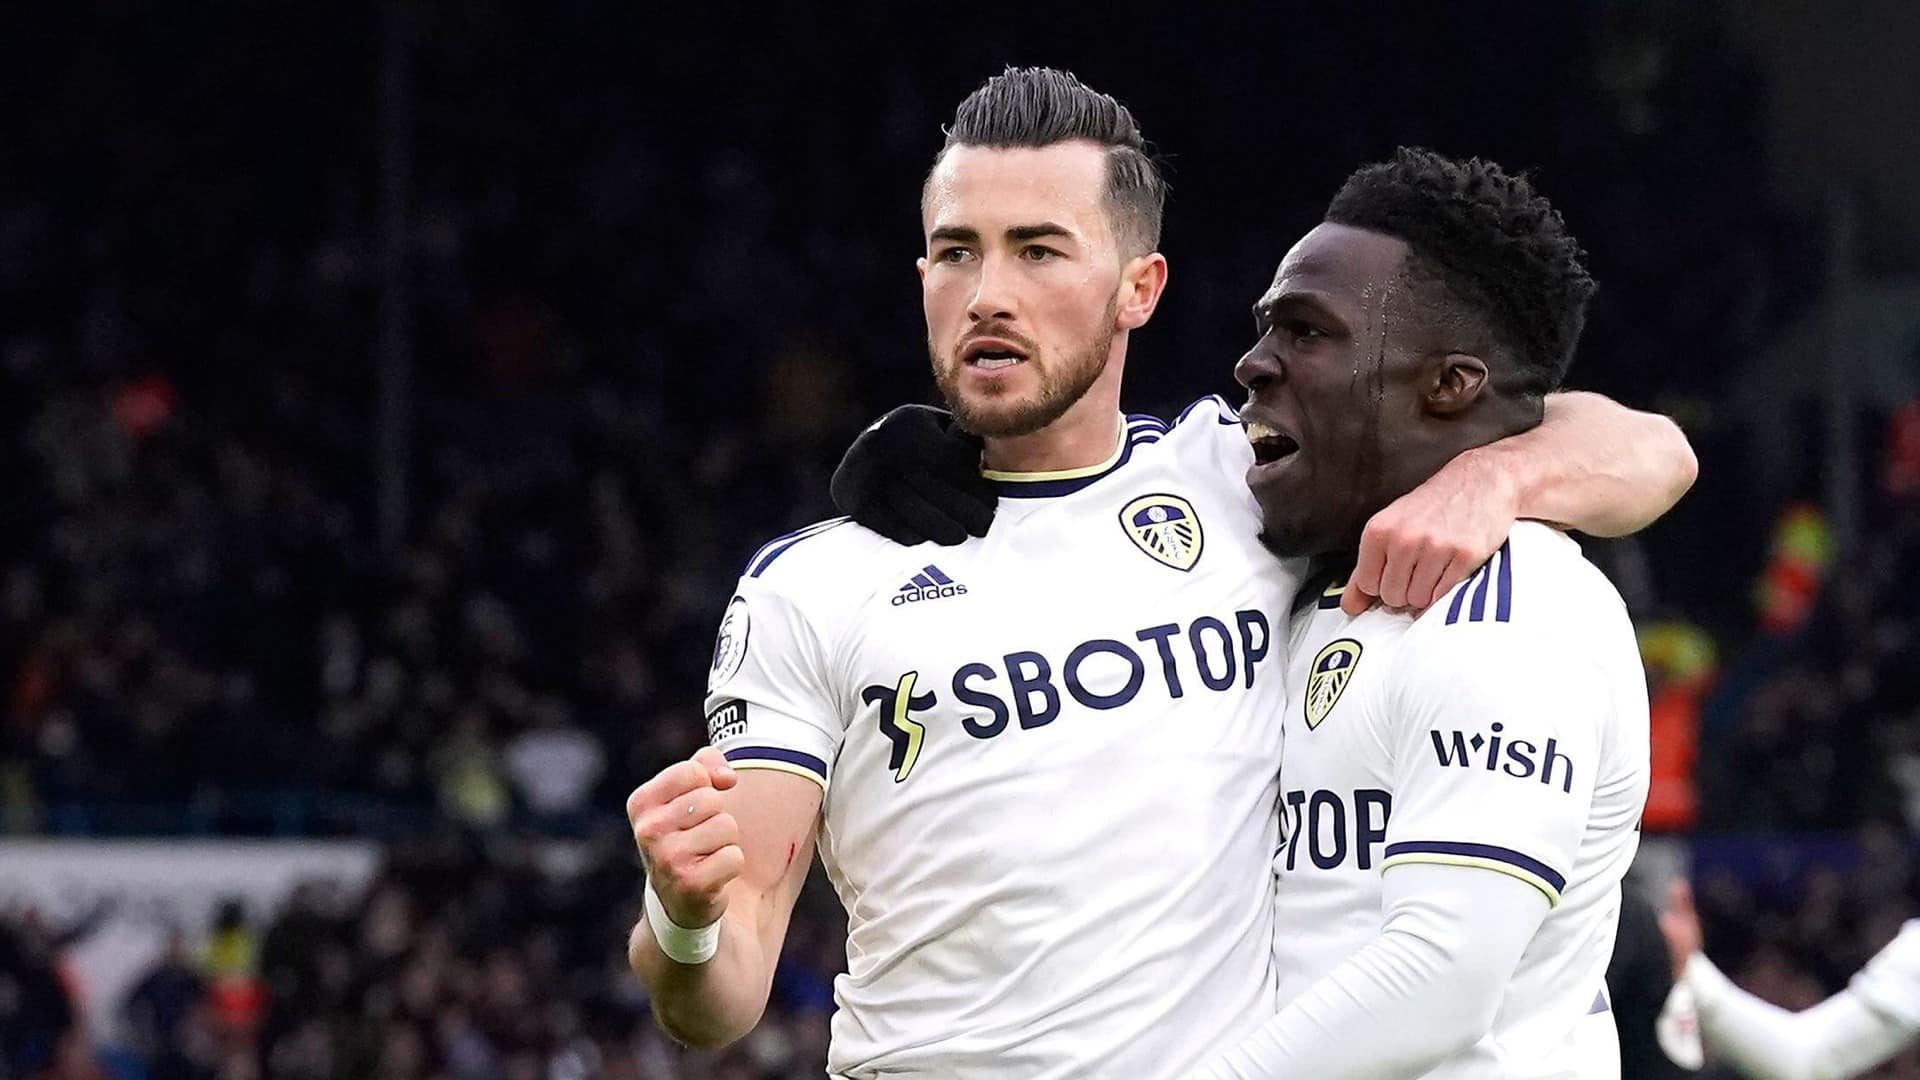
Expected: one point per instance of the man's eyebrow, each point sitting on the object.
(960, 233)
(1267, 307)
(1034, 232)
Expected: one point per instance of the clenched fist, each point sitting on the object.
(1434, 537)
(690, 845)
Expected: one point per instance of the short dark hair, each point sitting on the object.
(1040, 106)
(1499, 248)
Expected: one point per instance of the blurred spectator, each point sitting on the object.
(1681, 663)
(1803, 551)
(1900, 475)
(555, 765)
(467, 765)
(162, 1013)
(458, 963)
(230, 960)
(37, 1019)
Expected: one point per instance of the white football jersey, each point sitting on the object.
(1505, 728)
(1890, 983)
(1050, 761)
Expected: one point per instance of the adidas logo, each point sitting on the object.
(928, 584)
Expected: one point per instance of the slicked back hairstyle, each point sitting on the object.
(1501, 250)
(1035, 107)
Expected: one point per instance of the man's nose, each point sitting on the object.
(993, 296)
(1258, 368)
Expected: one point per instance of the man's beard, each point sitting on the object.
(1005, 416)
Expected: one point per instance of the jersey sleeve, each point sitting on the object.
(1890, 983)
(1495, 736)
(771, 702)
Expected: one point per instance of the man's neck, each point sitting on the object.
(1071, 442)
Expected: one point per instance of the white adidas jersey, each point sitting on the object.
(1050, 758)
(1505, 728)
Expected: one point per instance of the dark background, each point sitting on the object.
(390, 394)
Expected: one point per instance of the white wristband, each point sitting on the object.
(1677, 1029)
(681, 945)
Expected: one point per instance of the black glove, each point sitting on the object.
(915, 476)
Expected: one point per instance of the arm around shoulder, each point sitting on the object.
(1597, 466)
(1591, 464)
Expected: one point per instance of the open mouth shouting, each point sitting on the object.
(991, 355)
(1270, 444)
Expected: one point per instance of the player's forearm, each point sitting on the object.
(712, 1004)
(770, 816)
(1840, 1037)
(1426, 989)
(1596, 465)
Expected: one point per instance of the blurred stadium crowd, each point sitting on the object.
(649, 309)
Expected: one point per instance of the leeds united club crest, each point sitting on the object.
(1331, 670)
(1165, 527)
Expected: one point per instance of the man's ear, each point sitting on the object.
(1142, 280)
(1458, 381)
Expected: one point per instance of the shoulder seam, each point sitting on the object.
(780, 545)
